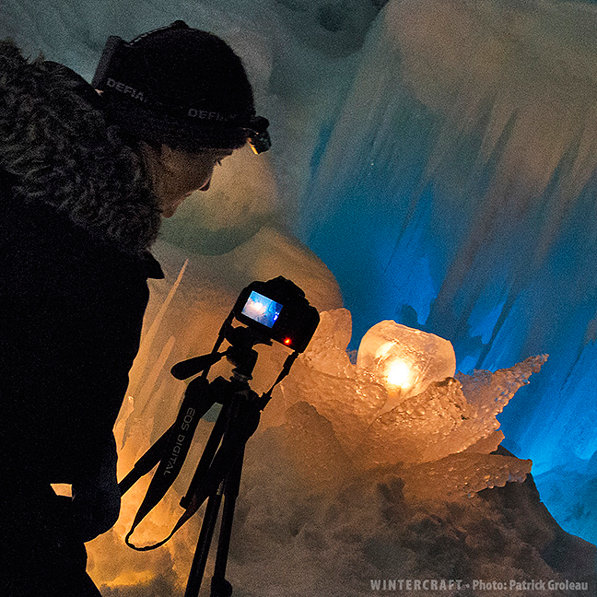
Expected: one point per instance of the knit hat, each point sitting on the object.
(182, 87)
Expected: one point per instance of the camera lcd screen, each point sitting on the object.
(261, 309)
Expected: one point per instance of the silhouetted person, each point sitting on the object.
(84, 182)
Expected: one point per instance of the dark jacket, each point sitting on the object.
(76, 221)
(71, 310)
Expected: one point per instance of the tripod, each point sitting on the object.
(273, 310)
(237, 421)
(217, 477)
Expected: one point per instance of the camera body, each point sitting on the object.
(279, 310)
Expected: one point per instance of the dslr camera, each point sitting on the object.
(278, 310)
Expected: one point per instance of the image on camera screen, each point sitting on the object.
(262, 309)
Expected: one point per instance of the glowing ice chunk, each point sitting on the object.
(405, 360)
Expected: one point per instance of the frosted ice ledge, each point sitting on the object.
(439, 441)
(317, 514)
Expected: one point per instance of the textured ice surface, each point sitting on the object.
(408, 360)
(462, 474)
(446, 418)
(325, 378)
(331, 491)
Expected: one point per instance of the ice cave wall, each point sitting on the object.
(461, 175)
(445, 172)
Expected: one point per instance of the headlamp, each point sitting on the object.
(258, 137)
(198, 122)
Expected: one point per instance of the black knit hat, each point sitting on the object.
(182, 87)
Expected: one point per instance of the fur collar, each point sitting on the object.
(58, 150)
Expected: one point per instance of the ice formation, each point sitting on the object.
(447, 417)
(460, 173)
(408, 360)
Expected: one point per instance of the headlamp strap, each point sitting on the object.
(108, 60)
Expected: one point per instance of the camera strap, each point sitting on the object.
(238, 429)
(179, 438)
(266, 397)
(234, 430)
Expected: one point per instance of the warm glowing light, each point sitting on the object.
(405, 360)
(399, 374)
(62, 489)
(288, 341)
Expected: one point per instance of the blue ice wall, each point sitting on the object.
(456, 194)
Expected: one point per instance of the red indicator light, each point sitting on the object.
(288, 341)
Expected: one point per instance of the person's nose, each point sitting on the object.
(205, 187)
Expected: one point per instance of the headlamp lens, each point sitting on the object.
(260, 142)
(258, 137)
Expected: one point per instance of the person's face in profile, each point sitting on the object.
(177, 174)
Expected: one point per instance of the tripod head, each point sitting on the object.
(240, 353)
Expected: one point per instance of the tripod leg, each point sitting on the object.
(203, 545)
(220, 587)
